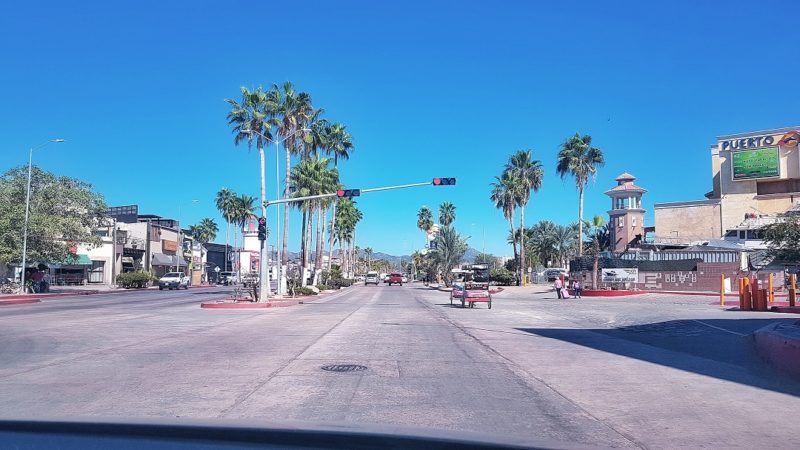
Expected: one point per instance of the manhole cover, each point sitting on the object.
(344, 368)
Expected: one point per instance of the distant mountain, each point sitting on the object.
(469, 256)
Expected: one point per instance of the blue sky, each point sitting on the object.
(447, 88)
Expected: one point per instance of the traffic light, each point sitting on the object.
(444, 181)
(262, 228)
(348, 193)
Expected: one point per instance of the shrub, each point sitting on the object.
(135, 279)
(322, 287)
(502, 277)
(304, 291)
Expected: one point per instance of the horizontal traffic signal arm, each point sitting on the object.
(357, 192)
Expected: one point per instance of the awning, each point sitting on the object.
(77, 260)
(160, 259)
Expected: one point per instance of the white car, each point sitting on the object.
(173, 280)
(371, 278)
(405, 279)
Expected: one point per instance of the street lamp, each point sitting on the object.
(262, 264)
(27, 211)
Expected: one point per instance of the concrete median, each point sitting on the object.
(779, 345)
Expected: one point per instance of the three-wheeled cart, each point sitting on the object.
(474, 289)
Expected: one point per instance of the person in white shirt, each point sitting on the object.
(558, 287)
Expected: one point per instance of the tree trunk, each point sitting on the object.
(320, 231)
(309, 229)
(303, 255)
(522, 263)
(285, 254)
(595, 264)
(227, 240)
(331, 237)
(580, 221)
(513, 238)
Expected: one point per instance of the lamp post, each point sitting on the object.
(264, 258)
(179, 251)
(27, 212)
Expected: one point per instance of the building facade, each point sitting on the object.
(756, 173)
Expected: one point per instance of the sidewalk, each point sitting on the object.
(73, 291)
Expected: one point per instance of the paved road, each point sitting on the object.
(658, 372)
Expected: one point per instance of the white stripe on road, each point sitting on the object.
(720, 328)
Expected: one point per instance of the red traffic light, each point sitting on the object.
(348, 193)
(444, 181)
(262, 220)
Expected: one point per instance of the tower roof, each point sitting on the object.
(625, 188)
(625, 176)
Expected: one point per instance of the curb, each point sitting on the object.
(779, 345)
(20, 301)
(227, 304)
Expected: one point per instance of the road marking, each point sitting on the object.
(720, 328)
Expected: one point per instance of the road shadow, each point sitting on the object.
(690, 345)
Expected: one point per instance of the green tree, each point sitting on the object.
(425, 220)
(527, 174)
(783, 239)
(485, 258)
(449, 250)
(578, 158)
(204, 232)
(368, 254)
(225, 205)
(338, 143)
(596, 227)
(504, 200)
(63, 211)
(447, 214)
(291, 111)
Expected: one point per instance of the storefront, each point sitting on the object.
(752, 173)
(162, 263)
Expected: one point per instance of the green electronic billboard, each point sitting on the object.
(759, 163)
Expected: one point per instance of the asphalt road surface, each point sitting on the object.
(652, 372)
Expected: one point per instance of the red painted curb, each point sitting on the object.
(590, 293)
(19, 301)
(779, 344)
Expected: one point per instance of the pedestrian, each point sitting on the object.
(558, 286)
(37, 278)
(577, 287)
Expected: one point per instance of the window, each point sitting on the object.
(732, 233)
(633, 222)
(96, 272)
(621, 221)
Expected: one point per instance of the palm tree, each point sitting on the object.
(290, 112)
(339, 144)
(447, 214)
(596, 231)
(346, 221)
(425, 221)
(578, 158)
(564, 239)
(503, 199)
(224, 203)
(242, 211)
(368, 255)
(527, 174)
(449, 249)
(203, 233)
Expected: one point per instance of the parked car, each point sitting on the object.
(395, 278)
(227, 278)
(384, 277)
(371, 278)
(173, 280)
(405, 279)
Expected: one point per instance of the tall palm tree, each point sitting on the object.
(527, 174)
(242, 211)
(595, 232)
(578, 158)
(450, 248)
(425, 221)
(368, 255)
(224, 202)
(503, 199)
(203, 233)
(339, 144)
(290, 111)
(447, 214)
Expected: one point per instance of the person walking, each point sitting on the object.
(577, 287)
(557, 285)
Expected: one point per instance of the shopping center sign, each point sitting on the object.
(787, 140)
(759, 163)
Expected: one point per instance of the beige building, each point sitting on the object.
(754, 173)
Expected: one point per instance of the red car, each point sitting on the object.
(396, 278)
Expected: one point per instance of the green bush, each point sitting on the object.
(322, 287)
(135, 279)
(502, 277)
(304, 291)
